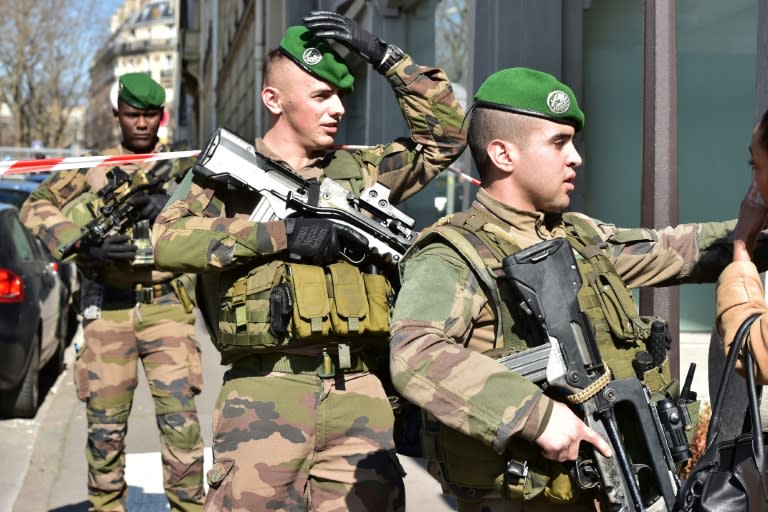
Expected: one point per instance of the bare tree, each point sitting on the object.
(45, 48)
(451, 29)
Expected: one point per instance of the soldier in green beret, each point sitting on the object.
(302, 422)
(492, 438)
(131, 312)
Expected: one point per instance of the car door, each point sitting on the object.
(40, 274)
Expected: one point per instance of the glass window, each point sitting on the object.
(717, 44)
(716, 84)
(14, 197)
(21, 241)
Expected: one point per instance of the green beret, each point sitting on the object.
(315, 56)
(532, 93)
(140, 91)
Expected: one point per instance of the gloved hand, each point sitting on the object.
(112, 248)
(332, 25)
(150, 205)
(319, 241)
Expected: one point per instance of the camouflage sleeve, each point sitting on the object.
(194, 234)
(436, 131)
(41, 212)
(686, 253)
(433, 366)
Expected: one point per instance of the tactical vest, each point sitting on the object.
(466, 465)
(282, 304)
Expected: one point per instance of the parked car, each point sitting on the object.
(15, 189)
(32, 316)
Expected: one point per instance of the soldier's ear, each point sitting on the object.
(270, 97)
(115, 112)
(503, 154)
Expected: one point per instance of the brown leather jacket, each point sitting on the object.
(739, 294)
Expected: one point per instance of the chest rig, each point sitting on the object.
(605, 300)
(280, 303)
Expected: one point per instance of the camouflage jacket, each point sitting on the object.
(436, 344)
(42, 211)
(203, 229)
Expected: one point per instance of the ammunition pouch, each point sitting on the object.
(279, 304)
(470, 468)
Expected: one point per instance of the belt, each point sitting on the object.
(325, 364)
(147, 293)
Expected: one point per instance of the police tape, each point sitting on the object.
(463, 176)
(9, 167)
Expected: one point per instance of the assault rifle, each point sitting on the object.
(231, 160)
(114, 212)
(545, 280)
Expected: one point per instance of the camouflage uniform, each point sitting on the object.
(440, 347)
(284, 437)
(161, 334)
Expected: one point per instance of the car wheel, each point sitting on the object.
(27, 397)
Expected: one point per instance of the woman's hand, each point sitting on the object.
(752, 215)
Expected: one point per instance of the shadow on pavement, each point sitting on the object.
(137, 500)
(77, 507)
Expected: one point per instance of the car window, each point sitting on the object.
(21, 241)
(14, 197)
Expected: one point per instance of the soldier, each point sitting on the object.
(302, 422)
(130, 312)
(478, 415)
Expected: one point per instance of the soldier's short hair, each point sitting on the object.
(486, 125)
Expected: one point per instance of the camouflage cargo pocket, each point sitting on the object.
(80, 375)
(220, 478)
(195, 366)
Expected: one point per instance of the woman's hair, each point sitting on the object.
(763, 136)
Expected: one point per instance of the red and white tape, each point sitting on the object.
(461, 175)
(82, 162)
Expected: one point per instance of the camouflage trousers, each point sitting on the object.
(301, 442)
(162, 336)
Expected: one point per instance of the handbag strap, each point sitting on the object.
(758, 447)
(730, 365)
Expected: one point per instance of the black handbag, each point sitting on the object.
(731, 475)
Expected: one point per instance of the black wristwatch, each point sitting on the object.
(392, 56)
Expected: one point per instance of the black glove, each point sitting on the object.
(319, 241)
(112, 248)
(332, 25)
(149, 205)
